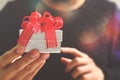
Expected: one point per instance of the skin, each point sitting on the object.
(24, 68)
(82, 66)
(64, 6)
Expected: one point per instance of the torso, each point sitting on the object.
(81, 29)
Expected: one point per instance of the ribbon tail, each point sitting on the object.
(25, 36)
(51, 40)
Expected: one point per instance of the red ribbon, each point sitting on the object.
(46, 23)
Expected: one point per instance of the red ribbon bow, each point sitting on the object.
(35, 22)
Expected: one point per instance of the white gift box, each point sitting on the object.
(38, 41)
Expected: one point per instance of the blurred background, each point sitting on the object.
(11, 17)
(4, 2)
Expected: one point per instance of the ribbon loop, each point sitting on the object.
(46, 23)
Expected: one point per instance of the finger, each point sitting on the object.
(32, 74)
(76, 62)
(21, 63)
(44, 56)
(73, 52)
(81, 70)
(29, 69)
(65, 60)
(87, 76)
(16, 59)
(10, 55)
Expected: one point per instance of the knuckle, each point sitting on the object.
(17, 66)
(77, 59)
(89, 60)
(28, 69)
(74, 49)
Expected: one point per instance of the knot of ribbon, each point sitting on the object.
(46, 23)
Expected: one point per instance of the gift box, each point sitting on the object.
(41, 32)
(38, 41)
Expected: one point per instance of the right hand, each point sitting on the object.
(24, 68)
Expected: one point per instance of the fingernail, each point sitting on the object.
(19, 49)
(34, 54)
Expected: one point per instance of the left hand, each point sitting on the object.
(16, 66)
(82, 66)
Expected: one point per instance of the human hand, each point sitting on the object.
(82, 66)
(24, 68)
